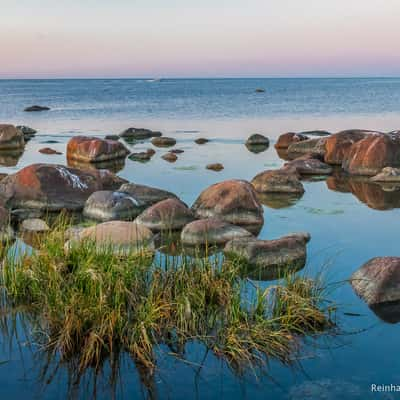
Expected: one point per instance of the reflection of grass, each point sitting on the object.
(320, 211)
(186, 168)
(271, 164)
(90, 303)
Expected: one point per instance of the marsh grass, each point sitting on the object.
(89, 304)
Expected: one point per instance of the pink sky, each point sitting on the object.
(137, 38)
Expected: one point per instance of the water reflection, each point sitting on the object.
(279, 200)
(374, 195)
(256, 148)
(113, 166)
(388, 312)
(10, 158)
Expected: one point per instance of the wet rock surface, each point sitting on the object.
(11, 138)
(278, 181)
(286, 139)
(163, 141)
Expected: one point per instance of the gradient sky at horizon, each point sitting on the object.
(188, 38)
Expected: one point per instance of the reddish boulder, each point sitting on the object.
(337, 146)
(370, 155)
(233, 201)
(93, 150)
(11, 138)
(54, 187)
(49, 151)
(285, 140)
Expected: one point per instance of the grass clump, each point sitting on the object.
(89, 304)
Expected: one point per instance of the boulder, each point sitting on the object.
(54, 187)
(257, 140)
(308, 166)
(201, 141)
(34, 225)
(378, 280)
(233, 201)
(265, 257)
(112, 137)
(93, 150)
(387, 174)
(285, 140)
(120, 236)
(337, 146)
(36, 108)
(316, 147)
(163, 141)
(11, 138)
(316, 133)
(26, 131)
(170, 157)
(278, 181)
(215, 167)
(211, 231)
(142, 156)
(369, 155)
(49, 151)
(106, 205)
(169, 214)
(151, 152)
(146, 195)
(139, 133)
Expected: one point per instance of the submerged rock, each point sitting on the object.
(36, 108)
(211, 231)
(163, 141)
(49, 151)
(369, 155)
(337, 146)
(257, 140)
(54, 187)
(169, 214)
(378, 280)
(215, 167)
(106, 205)
(286, 139)
(93, 150)
(233, 201)
(146, 195)
(271, 255)
(170, 157)
(120, 236)
(139, 133)
(34, 225)
(278, 181)
(11, 138)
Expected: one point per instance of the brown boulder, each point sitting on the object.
(215, 167)
(170, 214)
(285, 140)
(278, 181)
(163, 141)
(337, 146)
(11, 138)
(233, 201)
(316, 147)
(93, 150)
(369, 155)
(309, 166)
(48, 150)
(170, 157)
(54, 187)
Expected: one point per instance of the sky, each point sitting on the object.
(199, 38)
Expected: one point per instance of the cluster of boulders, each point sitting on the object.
(125, 214)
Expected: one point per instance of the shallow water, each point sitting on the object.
(349, 225)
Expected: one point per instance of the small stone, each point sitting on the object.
(170, 157)
(201, 141)
(215, 167)
(48, 150)
(36, 108)
(163, 141)
(139, 133)
(141, 157)
(177, 151)
(34, 225)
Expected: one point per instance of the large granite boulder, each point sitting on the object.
(11, 138)
(337, 146)
(170, 214)
(308, 166)
(139, 134)
(378, 280)
(369, 155)
(146, 195)
(316, 147)
(278, 181)
(54, 187)
(285, 140)
(233, 201)
(107, 205)
(120, 236)
(211, 231)
(94, 150)
(268, 256)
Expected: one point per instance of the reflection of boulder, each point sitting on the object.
(279, 200)
(113, 165)
(374, 195)
(256, 148)
(283, 154)
(10, 158)
(387, 312)
(258, 273)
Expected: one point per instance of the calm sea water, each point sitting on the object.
(348, 225)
